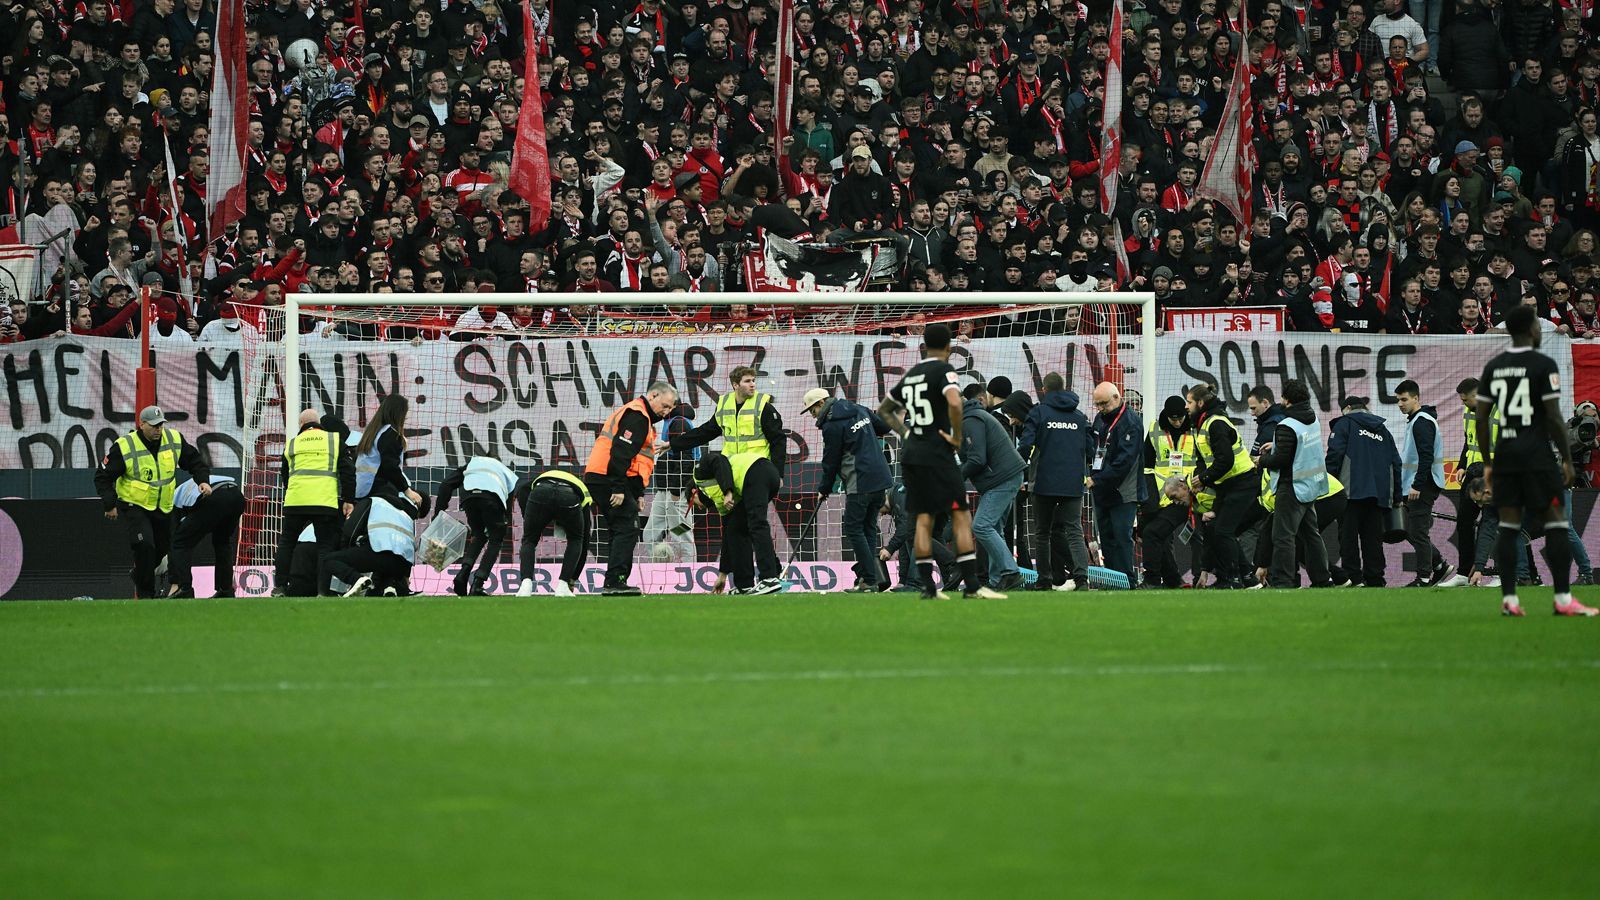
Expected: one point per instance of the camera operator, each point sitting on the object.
(1583, 429)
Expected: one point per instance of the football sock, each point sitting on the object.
(1510, 600)
(1505, 553)
(925, 575)
(1558, 553)
(969, 570)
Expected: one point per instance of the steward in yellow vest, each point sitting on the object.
(1226, 467)
(1169, 452)
(136, 481)
(1466, 531)
(741, 488)
(1471, 453)
(562, 498)
(746, 420)
(319, 476)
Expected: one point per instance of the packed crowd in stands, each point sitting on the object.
(1422, 167)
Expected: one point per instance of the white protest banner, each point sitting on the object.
(539, 403)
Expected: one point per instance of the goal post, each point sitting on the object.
(528, 378)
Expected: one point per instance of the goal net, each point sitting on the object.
(529, 378)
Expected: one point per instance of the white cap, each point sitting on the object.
(813, 397)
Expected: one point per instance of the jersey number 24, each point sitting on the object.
(1516, 403)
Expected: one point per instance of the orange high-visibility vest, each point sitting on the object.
(644, 462)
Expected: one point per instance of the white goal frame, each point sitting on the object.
(295, 302)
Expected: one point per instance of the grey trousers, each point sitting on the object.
(1059, 549)
(1294, 524)
(1419, 530)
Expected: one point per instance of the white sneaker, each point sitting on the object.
(769, 586)
(525, 589)
(359, 589)
(562, 589)
(1456, 580)
(1064, 587)
(1490, 581)
(1255, 587)
(984, 593)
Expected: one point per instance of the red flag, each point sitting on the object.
(1231, 165)
(783, 94)
(185, 285)
(530, 158)
(1111, 121)
(358, 18)
(230, 122)
(1383, 288)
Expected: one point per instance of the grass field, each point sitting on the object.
(1270, 744)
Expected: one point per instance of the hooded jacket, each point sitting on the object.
(1362, 454)
(988, 456)
(852, 451)
(1280, 455)
(1017, 406)
(1058, 444)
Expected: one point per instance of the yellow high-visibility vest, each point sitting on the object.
(1472, 453)
(741, 425)
(1242, 462)
(151, 476)
(1269, 498)
(1171, 459)
(741, 466)
(569, 478)
(313, 461)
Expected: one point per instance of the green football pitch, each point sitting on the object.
(1265, 744)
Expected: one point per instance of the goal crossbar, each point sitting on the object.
(295, 303)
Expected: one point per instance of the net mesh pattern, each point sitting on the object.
(531, 384)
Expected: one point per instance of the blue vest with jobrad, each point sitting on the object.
(485, 474)
(366, 463)
(1310, 467)
(188, 493)
(391, 531)
(1409, 459)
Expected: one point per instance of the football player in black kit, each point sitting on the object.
(1530, 465)
(930, 430)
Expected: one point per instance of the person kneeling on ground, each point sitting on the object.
(380, 546)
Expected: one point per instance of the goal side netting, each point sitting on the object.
(528, 379)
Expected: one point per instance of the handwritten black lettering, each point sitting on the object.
(66, 379)
(572, 374)
(469, 374)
